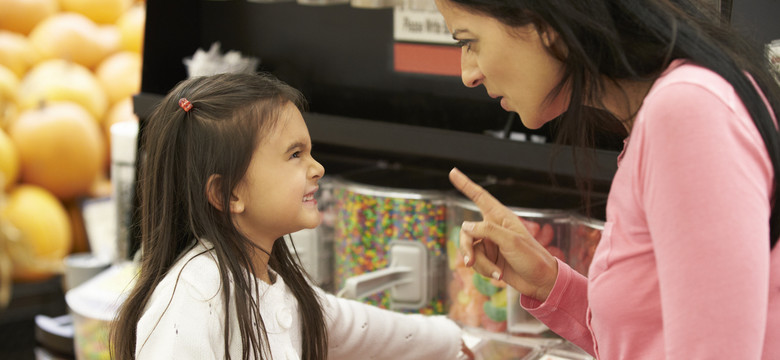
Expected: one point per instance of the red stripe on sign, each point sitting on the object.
(427, 59)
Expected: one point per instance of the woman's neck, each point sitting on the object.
(623, 98)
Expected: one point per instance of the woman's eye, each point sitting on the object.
(464, 42)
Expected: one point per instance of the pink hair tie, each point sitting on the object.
(185, 104)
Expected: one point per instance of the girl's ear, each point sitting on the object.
(213, 192)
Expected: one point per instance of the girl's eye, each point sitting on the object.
(464, 42)
(295, 155)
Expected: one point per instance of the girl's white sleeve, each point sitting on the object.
(361, 331)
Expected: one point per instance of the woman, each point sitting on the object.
(685, 267)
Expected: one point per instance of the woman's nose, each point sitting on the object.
(469, 72)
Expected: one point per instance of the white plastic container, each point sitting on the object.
(94, 305)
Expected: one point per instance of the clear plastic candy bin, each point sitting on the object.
(478, 301)
(585, 236)
(497, 346)
(564, 351)
(375, 209)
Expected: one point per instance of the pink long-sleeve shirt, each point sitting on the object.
(683, 269)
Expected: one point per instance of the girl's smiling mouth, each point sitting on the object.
(309, 197)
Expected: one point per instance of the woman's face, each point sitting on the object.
(514, 64)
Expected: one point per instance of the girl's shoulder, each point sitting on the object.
(196, 270)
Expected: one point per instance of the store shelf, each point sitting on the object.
(445, 147)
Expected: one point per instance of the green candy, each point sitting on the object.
(495, 313)
(483, 285)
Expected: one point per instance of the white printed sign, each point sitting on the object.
(773, 51)
(420, 21)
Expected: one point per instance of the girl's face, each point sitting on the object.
(276, 196)
(513, 64)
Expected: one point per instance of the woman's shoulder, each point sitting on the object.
(685, 86)
(684, 72)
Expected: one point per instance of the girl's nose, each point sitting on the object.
(317, 170)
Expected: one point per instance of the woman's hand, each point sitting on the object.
(501, 247)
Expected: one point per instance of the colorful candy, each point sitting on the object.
(368, 219)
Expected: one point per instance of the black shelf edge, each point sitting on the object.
(440, 144)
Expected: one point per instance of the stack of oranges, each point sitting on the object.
(68, 71)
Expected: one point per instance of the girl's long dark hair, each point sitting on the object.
(637, 40)
(180, 151)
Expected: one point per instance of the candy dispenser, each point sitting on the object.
(479, 301)
(390, 237)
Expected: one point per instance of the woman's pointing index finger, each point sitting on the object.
(492, 209)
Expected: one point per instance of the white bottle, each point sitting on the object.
(124, 145)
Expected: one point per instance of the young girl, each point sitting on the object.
(228, 172)
(687, 266)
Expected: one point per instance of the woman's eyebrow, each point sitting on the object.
(457, 32)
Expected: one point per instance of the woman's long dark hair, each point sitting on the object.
(637, 40)
(181, 151)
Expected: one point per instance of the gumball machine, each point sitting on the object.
(389, 233)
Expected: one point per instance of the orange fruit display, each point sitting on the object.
(22, 15)
(61, 148)
(72, 36)
(39, 227)
(61, 80)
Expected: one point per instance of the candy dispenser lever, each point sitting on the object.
(406, 277)
(369, 283)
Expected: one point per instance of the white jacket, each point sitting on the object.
(188, 323)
